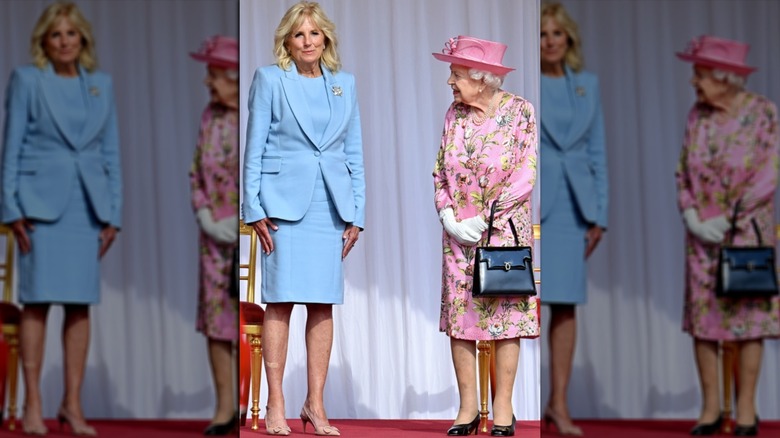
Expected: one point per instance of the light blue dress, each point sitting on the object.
(69, 245)
(306, 265)
(573, 182)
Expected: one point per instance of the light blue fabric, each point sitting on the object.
(61, 171)
(574, 187)
(43, 156)
(306, 266)
(317, 100)
(284, 154)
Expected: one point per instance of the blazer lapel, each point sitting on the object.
(337, 100)
(297, 102)
(97, 106)
(557, 134)
(57, 107)
(583, 107)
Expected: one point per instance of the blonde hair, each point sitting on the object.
(292, 20)
(48, 19)
(573, 57)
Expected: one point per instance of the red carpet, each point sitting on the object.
(390, 429)
(649, 428)
(124, 429)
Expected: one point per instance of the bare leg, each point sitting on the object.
(464, 359)
(276, 330)
(707, 365)
(32, 336)
(319, 341)
(507, 356)
(221, 360)
(75, 341)
(750, 353)
(562, 340)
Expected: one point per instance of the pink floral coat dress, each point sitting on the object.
(723, 161)
(214, 185)
(476, 165)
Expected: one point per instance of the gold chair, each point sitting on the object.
(11, 316)
(486, 358)
(252, 316)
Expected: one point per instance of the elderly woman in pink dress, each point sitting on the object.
(730, 156)
(488, 153)
(214, 186)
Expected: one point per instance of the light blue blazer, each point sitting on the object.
(43, 158)
(283, 155)
(576, 153)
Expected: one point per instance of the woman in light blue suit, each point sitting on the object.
(304, 194)
(61, 196)
(574, 193)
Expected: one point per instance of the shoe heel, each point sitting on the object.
(304, 420)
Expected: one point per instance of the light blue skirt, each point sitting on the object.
(306, 266)
(62, 266)
(563, 279)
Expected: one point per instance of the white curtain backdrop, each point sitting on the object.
(632, 359)
(145, 359)
(389, 359)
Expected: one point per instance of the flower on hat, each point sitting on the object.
(450, 46)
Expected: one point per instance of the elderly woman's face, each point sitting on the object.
(554, 42)
(62, 43)
(708, 89)
(306, 44)
(464, 88)
(223, 88)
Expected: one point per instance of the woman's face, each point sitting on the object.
(222, 88)
(62, 44)
(464, 88)
(708, 89)
(306, 44)
(554, 42)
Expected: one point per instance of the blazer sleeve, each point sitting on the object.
(16, 115)
(353, 148)
(598, 159)
(112, 162)
(258, 126)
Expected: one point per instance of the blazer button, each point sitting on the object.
(316, 153)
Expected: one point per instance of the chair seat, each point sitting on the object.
(251, 313)
(10, 313)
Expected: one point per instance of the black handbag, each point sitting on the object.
(501, 271)
(745, 271)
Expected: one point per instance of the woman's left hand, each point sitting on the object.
(107, 236)
(350, 237)
(593, 236)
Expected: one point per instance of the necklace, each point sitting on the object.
(487, 114)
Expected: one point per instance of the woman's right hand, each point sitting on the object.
(261, 228)
(20, 227)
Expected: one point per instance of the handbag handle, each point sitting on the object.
(734, 225)
(511, 224)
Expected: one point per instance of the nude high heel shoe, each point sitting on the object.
(319, 429)
(77, 426)
(276, 430)
(565, 428)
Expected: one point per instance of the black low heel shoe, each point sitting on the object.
(464, 429)
(708, 429)
(751, 430)
(504, 430)
(226, 428)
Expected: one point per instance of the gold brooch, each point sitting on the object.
(336, 90)
(94, 91)
(580, 91)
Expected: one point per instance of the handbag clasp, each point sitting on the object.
(507, 266)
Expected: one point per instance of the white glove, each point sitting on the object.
(223, 231)
(710, 231)
(460, 232)
(475, 224)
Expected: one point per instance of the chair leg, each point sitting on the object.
(484, 360)
(244, 377)
(13, 375)
(256, 347)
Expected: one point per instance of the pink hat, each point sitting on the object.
(718, 53)
(220, 51)
(475, 53)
